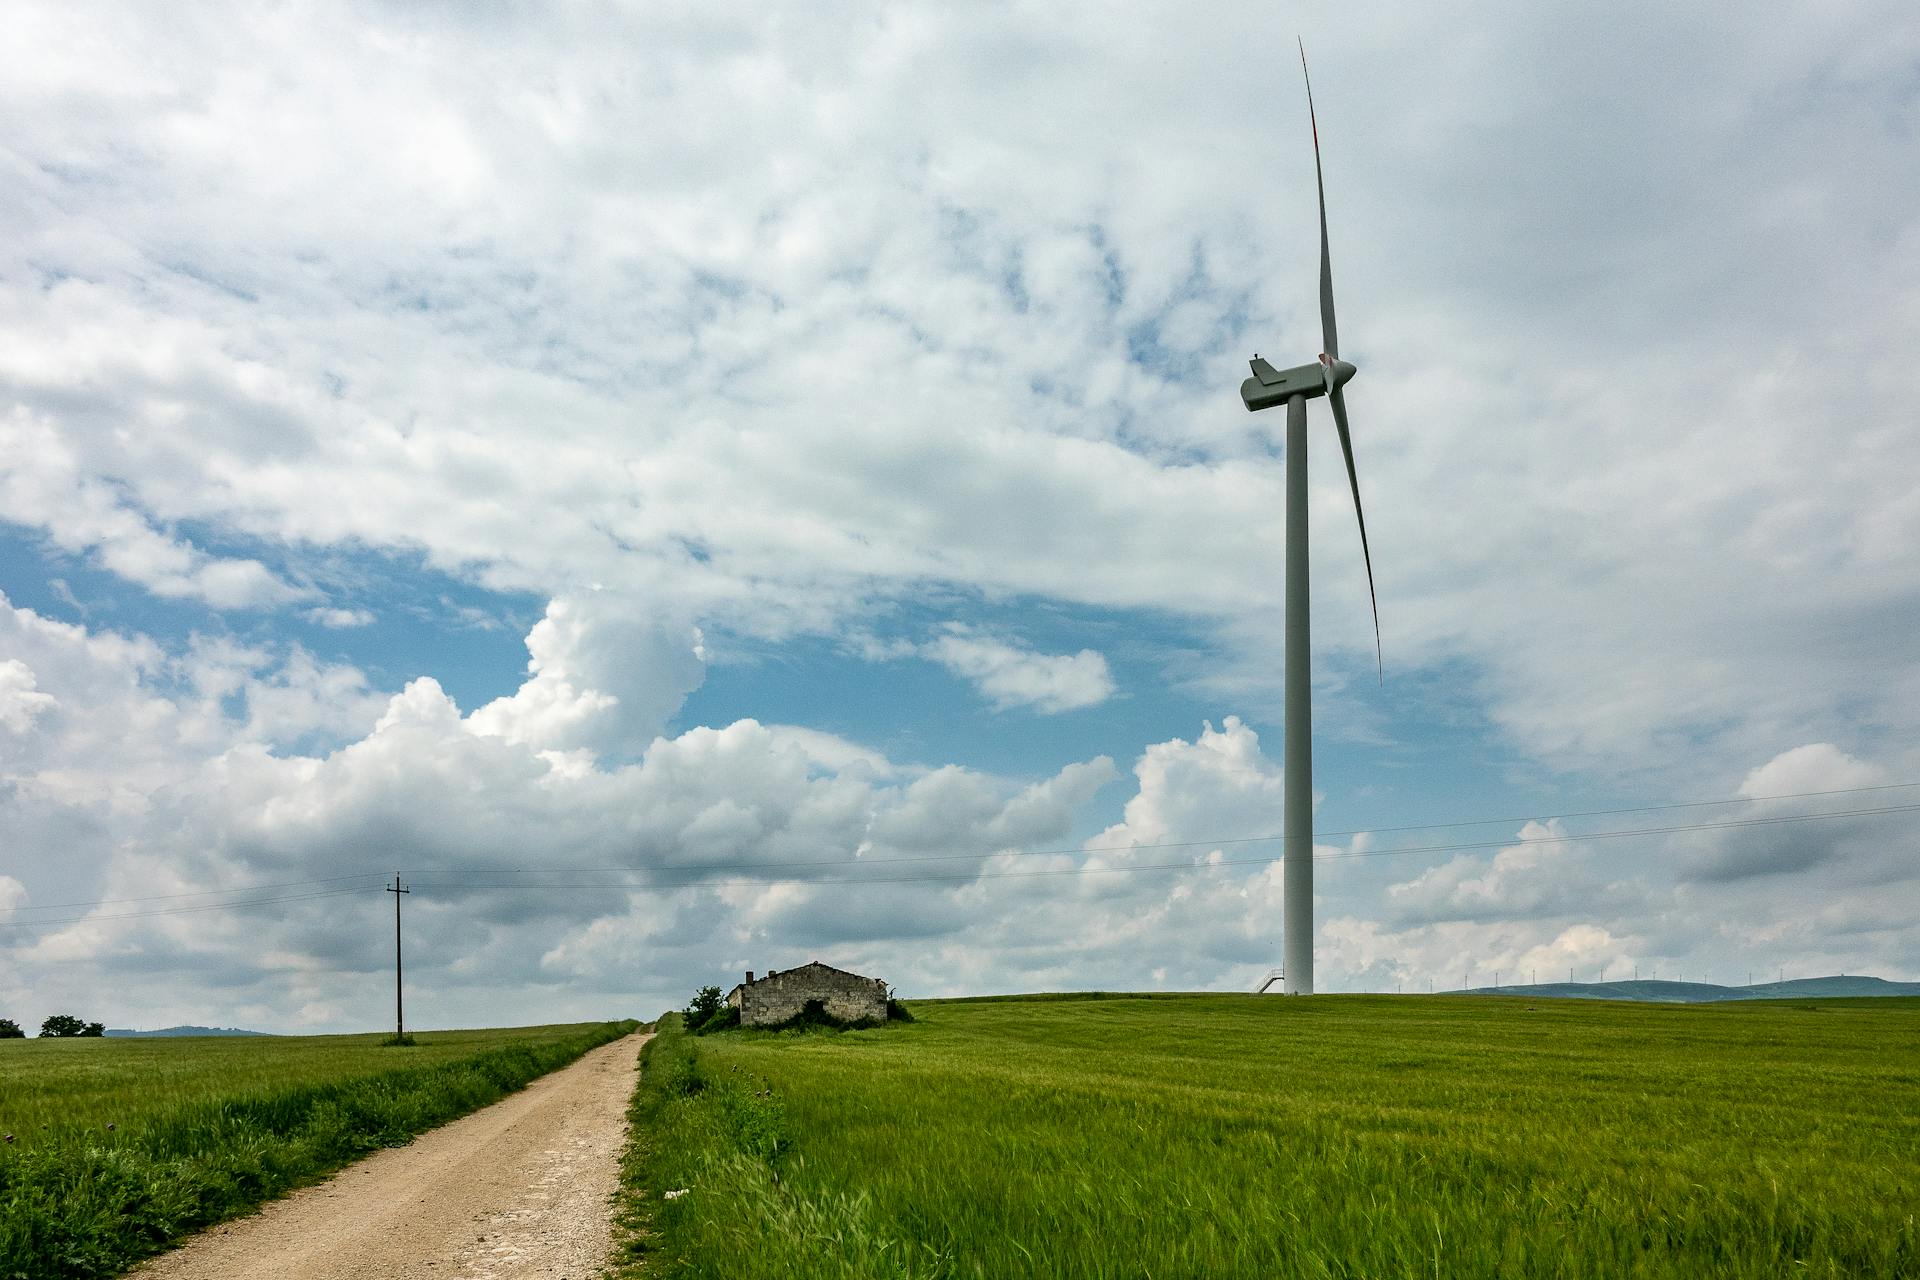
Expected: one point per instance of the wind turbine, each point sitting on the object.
(1294, 387)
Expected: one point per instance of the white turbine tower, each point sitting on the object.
(1294, 387)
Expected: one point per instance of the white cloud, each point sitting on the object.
(20, 702)
(1540, 879)
(339, 619)
(44, 487)
(1867, 847)
(1008, 675)
(1221, 784)
(1453, 955)
(604, 675)
(465, 809)
(1818, 766)
(302, 695)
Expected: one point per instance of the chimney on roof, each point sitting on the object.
(749, 977)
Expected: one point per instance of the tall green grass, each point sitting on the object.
(120, 1147)
(1331, 1137)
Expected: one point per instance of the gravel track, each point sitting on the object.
(520, 1188)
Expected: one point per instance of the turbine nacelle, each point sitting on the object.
(1270, 386)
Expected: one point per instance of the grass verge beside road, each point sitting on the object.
(119, 1147)
(1337, 1136)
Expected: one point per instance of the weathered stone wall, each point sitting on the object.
(779, 996)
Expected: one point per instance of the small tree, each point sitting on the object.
(61, 1025)
(10, 1030)
(95, 1029)
(703, 1008)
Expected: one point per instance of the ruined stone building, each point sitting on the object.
(782, 994)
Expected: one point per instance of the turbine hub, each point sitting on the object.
(1339, 372)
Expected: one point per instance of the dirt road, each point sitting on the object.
(519, 1189)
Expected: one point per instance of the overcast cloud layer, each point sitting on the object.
(728, 334)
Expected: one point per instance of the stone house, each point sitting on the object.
(783, 993)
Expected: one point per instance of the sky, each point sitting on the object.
(695, 489)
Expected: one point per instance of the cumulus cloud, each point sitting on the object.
(1818, 766)
(1220, 785)
(301, 695)
(746, 836)
(20, 701)
(1544, 876)
(1011, 676)
(1773, 848)
(605, 675)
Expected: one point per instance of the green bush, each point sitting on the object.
(724, 1019)
(703, 1008)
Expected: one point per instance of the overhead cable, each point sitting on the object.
(429, 880)
(17, 922)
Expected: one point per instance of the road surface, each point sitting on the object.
(520, 1188)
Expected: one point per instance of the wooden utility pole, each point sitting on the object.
(399, 1019)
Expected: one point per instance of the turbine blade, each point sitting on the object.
(1337, 398)
(1329, 335)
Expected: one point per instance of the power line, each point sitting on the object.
(197, 893)
(1034, 853)
(1318, 835)
(1644, 808)
(955, 857)
(967, 878)
(1505, 842)
(175, 911)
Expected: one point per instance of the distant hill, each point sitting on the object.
(182, 1031)
(1703, 992)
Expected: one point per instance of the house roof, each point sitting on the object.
(811, 964)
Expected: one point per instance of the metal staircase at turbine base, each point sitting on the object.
(1273, 976)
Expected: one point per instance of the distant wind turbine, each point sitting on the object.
(1294, 387)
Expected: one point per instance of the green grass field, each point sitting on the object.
(1338, 1136)
(120, 1146)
